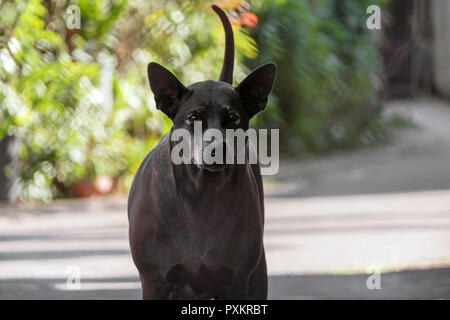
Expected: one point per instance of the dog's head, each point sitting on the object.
(217, 104)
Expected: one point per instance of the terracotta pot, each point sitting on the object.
(84, 188)
(101, 185)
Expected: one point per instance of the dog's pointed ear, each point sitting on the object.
(166, 88)
(256, 87)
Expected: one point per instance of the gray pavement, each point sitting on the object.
(411, 284)
(412, 159)
(330, 222)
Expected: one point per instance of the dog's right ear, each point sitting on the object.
(166, 88)
(255, 89)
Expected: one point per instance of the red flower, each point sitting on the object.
(249, 19)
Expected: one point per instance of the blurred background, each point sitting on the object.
(363, 191)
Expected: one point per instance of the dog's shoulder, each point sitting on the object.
(157, 159)
(153, 169)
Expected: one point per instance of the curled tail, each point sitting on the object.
(228, 61)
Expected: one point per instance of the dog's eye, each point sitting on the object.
(233, 117)
(193, 117)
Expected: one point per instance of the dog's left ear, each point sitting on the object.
(256, 87)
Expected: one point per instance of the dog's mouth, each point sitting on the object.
(215, 167)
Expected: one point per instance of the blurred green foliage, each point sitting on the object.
(78, 101)
(325, 95)
(79, 104)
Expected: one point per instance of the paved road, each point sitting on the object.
(316, 248)
(413, 159)
(329, 221)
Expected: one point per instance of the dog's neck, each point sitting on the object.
(204, 194)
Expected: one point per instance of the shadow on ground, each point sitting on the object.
(409, 284)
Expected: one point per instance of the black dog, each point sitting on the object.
(196, 230)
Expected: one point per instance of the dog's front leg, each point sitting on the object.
(257, 288)
(154, 289)
(236, 290)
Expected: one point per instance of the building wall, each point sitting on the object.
(441, 45)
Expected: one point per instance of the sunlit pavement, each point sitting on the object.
(318, 240)
(329, 223)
